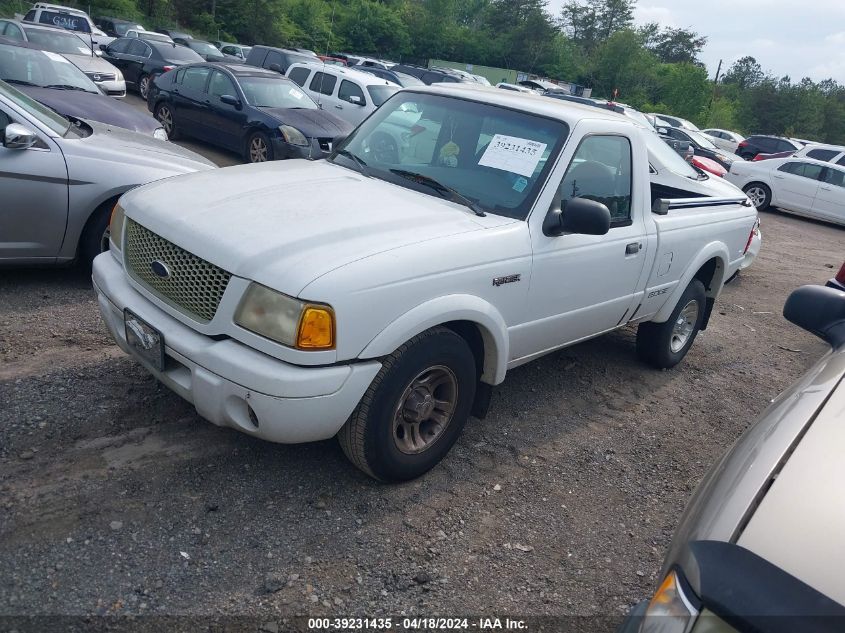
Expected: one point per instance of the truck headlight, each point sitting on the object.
(286, 320)
(160, 134)
(116, 223)
(669, 611)
(293, 136)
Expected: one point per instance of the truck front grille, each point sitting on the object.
(181, 279)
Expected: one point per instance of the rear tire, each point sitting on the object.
(664, 345)
(144, 86)
(164, 115)
(760, 195)
(415, 408)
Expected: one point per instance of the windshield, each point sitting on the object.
(58, 42)
(701, 139)
(639, 117)
(44, 115)
(272, 92)
(203, 48)
(27, 66)
(667, 157)
(380, 94)
(496, 157)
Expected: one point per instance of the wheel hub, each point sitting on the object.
(684, 326)
(425, 409)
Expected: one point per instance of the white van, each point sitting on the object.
(350, 94)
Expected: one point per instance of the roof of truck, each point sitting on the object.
(534, 103)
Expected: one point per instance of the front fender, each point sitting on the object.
(713, 250)
(486, 317)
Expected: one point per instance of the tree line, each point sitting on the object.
(594, 43)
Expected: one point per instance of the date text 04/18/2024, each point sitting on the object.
(417, 623)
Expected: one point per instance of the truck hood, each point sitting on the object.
(284, 224)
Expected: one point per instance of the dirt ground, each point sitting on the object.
(115, 497)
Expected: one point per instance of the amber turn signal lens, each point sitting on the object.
(316, 328)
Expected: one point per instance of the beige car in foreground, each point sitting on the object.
(761, 546)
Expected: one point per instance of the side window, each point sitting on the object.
(822, 154)
(299, 75)
(30, 16)
(221, 85)
(351, 92)
(119, 46)
(785, 146)
(834, 177)
(137, 48)
(180, 74)
(790, 168)
(195, 78)
(841, 161)
(13, 32)
(601, 171)
(323, 83)
(813, 172)
(274, 57)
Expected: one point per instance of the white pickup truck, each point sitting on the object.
(381, 294)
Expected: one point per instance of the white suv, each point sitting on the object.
(350, 94)
(68, 18)
(826, 153)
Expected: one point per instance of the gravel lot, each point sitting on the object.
(115, 497)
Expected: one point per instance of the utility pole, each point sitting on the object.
(715, 83)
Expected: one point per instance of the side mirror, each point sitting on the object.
(663, 130)
(230, 100)
(819, 310)
(104, 47)
(356, 100)
(582, 216)
(98, 53)
(18, 136)
(276, 68)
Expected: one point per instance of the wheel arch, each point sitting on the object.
(472, 318)
(709, 267)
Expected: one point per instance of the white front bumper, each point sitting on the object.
(224, 379)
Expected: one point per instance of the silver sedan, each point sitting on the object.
(60, 180)
(761, 546)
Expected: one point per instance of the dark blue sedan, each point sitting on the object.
(256, 112)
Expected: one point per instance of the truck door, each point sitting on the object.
(582, 285)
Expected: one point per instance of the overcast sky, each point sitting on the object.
(787, 37)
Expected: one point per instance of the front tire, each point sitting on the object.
(760, 195)
(664, 345)
(415, 408)
(258, 148)
(95, 236)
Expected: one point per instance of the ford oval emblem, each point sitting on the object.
(161, 269)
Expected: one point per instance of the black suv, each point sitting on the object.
(113, 27)
(277, 59)
(427, 75)
(760, 144)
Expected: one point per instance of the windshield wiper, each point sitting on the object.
(20, 82)
(65, 87)
(362, 166)
(454, 195)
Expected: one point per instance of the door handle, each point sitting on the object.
(826, 189)
(339, 107)
(779, 177)
(633, 248)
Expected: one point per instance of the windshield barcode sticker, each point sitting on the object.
(513, 154)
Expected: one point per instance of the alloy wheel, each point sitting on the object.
(165, 117)
(257, 150)
(684, 326)
(425, 409)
